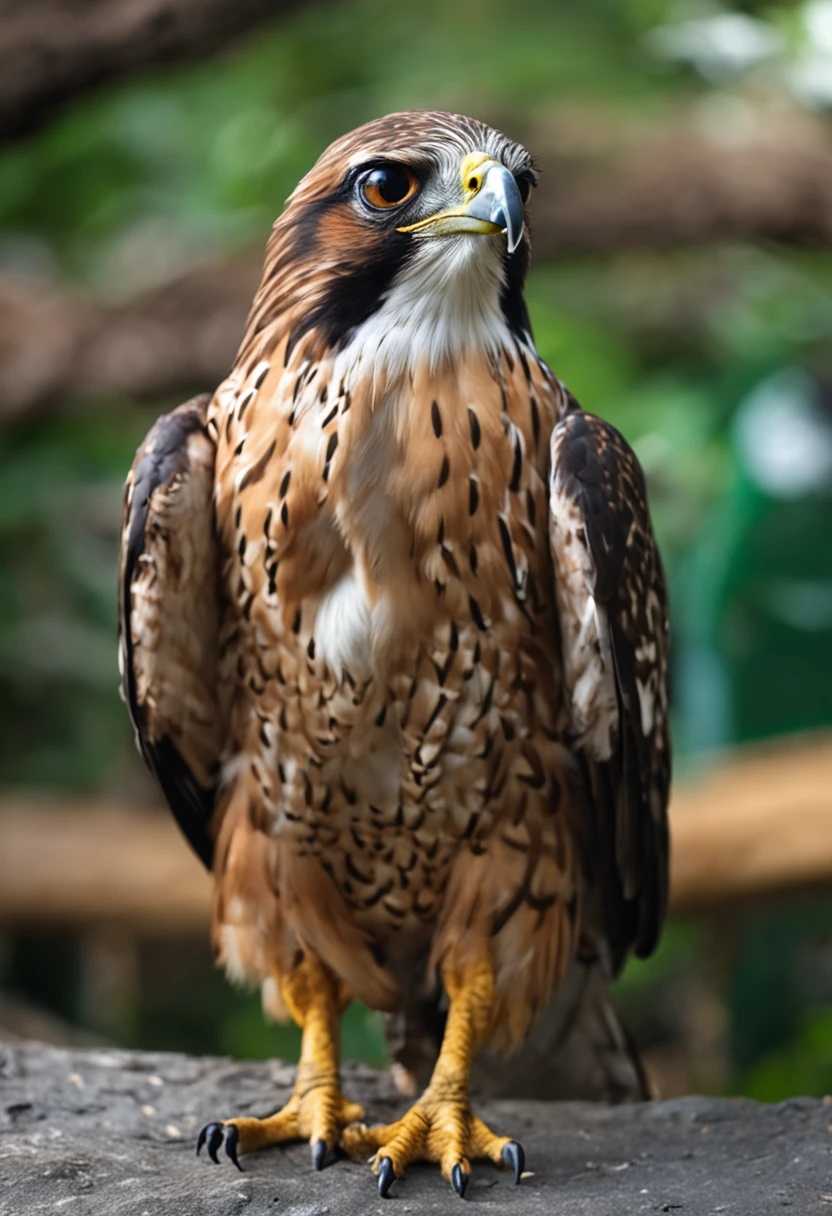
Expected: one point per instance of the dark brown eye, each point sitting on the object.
(524, 185)
(388, 186)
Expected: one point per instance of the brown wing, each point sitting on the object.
(612, 606)
(169, 615)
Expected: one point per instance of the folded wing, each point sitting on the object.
(612, 607)
(169, 615)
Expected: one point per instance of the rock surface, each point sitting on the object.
(112, 1133)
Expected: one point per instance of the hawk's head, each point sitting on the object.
(408, 238)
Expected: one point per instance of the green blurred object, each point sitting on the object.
(246, 1034)
(802, 1065)
(757, 600)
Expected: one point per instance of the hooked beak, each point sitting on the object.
(493, 204)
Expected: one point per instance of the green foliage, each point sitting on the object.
(59, 510)
(803, 1065)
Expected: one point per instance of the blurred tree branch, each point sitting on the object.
(52, 51)
(627, 188)
(55, 347)
(677, 188)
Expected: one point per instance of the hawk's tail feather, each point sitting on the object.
(578, 1050)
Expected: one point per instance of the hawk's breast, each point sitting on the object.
(388, 569)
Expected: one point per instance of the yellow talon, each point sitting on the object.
(441, 1126)
(441, 1129)
(317, 1111)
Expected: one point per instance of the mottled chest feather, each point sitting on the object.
(338, 496)
(386, 559)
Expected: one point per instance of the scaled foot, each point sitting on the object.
(440, 1127)
(318, 1115)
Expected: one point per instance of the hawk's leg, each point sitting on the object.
(317, 1110)
(441, 1126)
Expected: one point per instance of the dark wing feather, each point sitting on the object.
(612, 606)
(169, 615)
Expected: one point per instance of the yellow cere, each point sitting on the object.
(471, 179)
(443, 222)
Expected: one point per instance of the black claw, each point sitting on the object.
(515, 1159)
(215, 1134)
(459, 1181)
(232, 1136)
(319, 1154)
(211, 1135)
(386, 1176)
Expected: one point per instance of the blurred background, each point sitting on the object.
(682, 288)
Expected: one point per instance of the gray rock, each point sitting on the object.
(112, 1133)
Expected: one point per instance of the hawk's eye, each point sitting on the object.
(524, 185)
(388, 186)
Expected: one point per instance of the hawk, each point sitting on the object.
(394, 640)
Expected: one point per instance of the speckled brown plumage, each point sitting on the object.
(450, 702)
(440, 738)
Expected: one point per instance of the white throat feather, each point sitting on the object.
(443, 304)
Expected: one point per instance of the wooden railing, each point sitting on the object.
(753, 824)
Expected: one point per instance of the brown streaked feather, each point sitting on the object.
(247, 927)
(169, 615)
(416, 550)
(324, 924)
(524, 902)
(613, 612)
(579, 1049)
